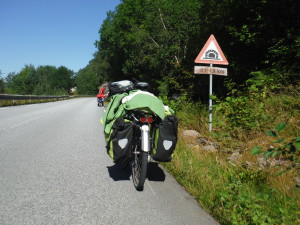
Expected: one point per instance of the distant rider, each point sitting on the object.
(101, 96)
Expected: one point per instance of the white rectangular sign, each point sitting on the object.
(210, 70)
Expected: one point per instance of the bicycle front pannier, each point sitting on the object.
(120, 140)
(165, 139)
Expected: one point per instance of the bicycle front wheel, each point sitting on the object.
(139, 169)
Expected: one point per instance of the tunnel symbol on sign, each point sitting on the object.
(211, 54)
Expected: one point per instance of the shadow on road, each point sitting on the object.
(154, 173)
(118, 172)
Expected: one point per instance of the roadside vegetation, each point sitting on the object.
(251, 175)
(4, 103)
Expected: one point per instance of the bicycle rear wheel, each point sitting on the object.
(139, 169)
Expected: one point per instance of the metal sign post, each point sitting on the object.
(211, 54)
(210, 100)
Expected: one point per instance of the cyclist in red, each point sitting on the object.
(101, 96)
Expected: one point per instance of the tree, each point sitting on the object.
(87, 82)
(62, 79)
(157, 41)
(45, 80)
(21, 83)
(2, 83)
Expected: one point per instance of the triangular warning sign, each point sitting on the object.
(211, 53)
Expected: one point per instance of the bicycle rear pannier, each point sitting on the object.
(165, 139)
(120, 140)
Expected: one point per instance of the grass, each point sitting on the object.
(240, 192)
(4, 103)
(233, 194)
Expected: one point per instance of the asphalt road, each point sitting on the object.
(54, 170)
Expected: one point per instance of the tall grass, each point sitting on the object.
(241, 192)
(233, 194)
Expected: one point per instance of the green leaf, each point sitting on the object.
(275, 154)
(266, 197)
(213, 97)
(282, 210)
(256, 150)
(280, 126)
(280, 140)
(280, 172)
(297, 145)
(271, 133)
(267, 154)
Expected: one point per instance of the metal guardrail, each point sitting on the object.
(82, 96)
(30, 97)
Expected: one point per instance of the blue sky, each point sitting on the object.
(50, 32)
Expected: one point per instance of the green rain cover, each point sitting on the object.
(136, 99)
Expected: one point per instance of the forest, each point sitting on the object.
(43, 80)
(157, 41)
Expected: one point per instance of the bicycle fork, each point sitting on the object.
(145, 141)
(145, 138)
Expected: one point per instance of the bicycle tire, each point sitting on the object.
(139, 170)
